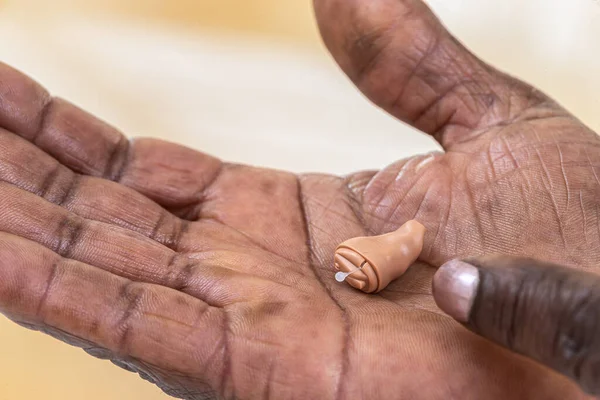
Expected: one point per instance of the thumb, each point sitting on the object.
(543, 311)
(398, 53)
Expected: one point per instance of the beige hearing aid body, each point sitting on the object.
(371, 263)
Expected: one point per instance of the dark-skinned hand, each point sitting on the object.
(215, 280)
(541, 310)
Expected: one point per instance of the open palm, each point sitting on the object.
(215, 280)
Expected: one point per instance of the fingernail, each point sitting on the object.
(455, 287)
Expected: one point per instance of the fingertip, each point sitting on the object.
(455, 287)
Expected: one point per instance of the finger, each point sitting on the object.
(109, 247)
(543, 311)
(147, 322)
(399, 54)
(172, 175)
(209, 275)
(29, 168)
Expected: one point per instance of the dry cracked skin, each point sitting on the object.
(214, 280)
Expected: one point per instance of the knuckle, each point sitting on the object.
(69, 233)
(132, 297)
(180, 272)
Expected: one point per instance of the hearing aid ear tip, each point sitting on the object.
(341, 276)
(383, 258)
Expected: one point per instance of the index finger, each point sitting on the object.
(544, 311)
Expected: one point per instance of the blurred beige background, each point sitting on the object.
(233, 77)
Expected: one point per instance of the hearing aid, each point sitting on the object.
(371, 263)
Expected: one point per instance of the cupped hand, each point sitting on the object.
(216, 280)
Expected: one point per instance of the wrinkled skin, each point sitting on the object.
(215, 280)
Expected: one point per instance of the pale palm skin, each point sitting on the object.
(215, 280)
